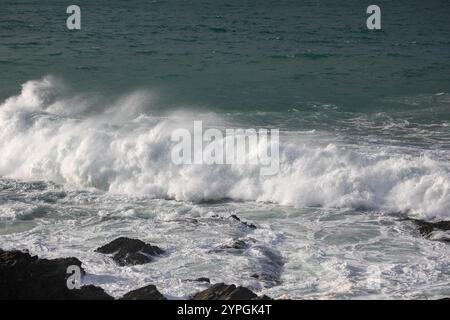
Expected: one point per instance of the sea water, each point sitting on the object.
(364, 116)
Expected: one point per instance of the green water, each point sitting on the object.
(232, 55)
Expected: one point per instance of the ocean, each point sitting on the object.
(86, 118)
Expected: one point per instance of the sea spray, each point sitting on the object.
(237, 147)
(132, 155)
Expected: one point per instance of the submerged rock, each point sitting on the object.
(126, 251)
(237, 246)
(270, 266)
(202, 279)
(221, 291)
(27, 277)
(146, 293)
(247, 224)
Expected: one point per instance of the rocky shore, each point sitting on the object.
(29, 277)
(24, 276)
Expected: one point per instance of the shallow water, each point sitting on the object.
(310, 253)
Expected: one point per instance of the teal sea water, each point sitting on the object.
(364, 119)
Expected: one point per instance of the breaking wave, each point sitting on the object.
(48, 134)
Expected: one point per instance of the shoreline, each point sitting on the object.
(29, 277)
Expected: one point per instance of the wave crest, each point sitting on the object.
(45, 136)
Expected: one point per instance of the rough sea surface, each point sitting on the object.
(85, 143)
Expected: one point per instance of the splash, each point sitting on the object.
(49, 135)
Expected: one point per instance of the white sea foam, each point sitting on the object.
(46, 134)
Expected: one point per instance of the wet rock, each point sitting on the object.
(221, 291)
(199, 280)
(90, 292)
(126, 251)
(146, 293)
(427, 228)
(235, 217)
(27, 277)
(269, 279)
(247, 224)
(238, 246)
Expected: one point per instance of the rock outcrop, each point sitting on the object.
(27, 277)
(126, 251)
(221, 291)
(247, 224)
(427, 228)
(146, 293)
(202, 279)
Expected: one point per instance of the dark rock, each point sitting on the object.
(269, 279)
(235, 217)
(247, 224)
(146, 293)
(128, 251)
(426, 228)
(90, 292)
(237, 245)
(222, 291)
(199, 280)
(27, 277)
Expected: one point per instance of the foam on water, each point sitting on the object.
(108, 174)
(47, 134)
(293, 253)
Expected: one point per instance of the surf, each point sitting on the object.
(48, 135)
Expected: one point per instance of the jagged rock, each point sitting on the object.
(146, 293)
(126, 251)
(27, 277)
(90, 292)
(426, 228)
(221, 291)
(247, 224)
(235, 217)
